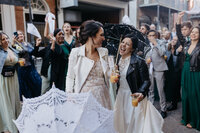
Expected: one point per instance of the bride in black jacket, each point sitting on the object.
(134, 82)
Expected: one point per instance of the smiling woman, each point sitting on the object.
(29, 79)
(190, 82)
(88, 65)
(9, 88)
(131, 103)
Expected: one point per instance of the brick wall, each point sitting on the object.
(20, 16)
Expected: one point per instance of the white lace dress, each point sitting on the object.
(96, 84)
(128, 119)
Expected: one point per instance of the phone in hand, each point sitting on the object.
(15, 34)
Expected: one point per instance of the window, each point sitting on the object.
(38, 6)
(39, 10)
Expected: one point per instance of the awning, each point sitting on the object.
(15, 2)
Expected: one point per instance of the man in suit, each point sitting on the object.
(144, 28)
(157, 66)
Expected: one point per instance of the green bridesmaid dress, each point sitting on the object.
(190, 84)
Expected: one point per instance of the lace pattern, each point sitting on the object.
(96, 84)
(56, 112)
(123, 63)
(123, 67)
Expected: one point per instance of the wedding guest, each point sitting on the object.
(69, 39)
(59, 60)
(134, 81)
(173, 75)
(9, 87)
(190, 82)
(29, 79)
(157, 66)
(88, 64)
(45, 68)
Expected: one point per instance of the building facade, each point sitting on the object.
(162, 13)
(14, 18)
(195, 18)
(105, 11)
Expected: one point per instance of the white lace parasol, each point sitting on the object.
(58, 112)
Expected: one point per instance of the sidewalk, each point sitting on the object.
(172, 121)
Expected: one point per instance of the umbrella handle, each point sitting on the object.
(118, 51)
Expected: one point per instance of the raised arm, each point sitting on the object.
(36, 52)
(178, 29)
(46, 28)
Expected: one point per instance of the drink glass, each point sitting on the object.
(134, 101)
(21, 61)
(148, 60)
(114, 77)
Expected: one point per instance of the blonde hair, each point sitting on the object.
(71, 32)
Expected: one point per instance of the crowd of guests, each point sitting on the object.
(78, 64)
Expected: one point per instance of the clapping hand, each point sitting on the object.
(38, 41)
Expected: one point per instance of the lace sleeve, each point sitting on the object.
(70, 80)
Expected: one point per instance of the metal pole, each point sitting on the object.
(56, 10)
(169, 19)
(158, 17)
(30, 20)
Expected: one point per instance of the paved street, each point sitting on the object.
(172, 122)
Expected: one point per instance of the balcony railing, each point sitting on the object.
(195, 16)
(175, 4)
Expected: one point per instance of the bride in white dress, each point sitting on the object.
(88, 68)
(134, 80)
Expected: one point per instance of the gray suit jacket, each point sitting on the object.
(157, 56)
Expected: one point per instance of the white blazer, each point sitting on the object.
(80, 66)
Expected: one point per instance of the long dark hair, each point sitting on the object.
(88, 29)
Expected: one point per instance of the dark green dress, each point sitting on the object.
(67, 49)
(190, 84)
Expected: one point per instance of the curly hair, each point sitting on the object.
(88, 29)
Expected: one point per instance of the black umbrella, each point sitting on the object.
(113, 33)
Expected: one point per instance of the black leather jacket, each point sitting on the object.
(195, 55)
(137, 75)
(195, 58)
